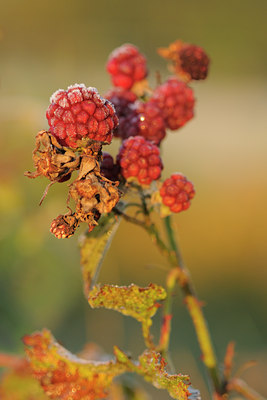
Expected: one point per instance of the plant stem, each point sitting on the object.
(194, 308)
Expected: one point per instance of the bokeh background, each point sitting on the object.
(49, 45)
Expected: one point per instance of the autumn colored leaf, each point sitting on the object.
(139, 303)
(93, 248)
(63, 375)
(152, 367)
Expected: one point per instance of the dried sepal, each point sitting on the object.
(52, 160)
(93, 196)
(139, 303)
(152, 367)
(63, 375)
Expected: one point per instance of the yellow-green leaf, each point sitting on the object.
(139, 303)
(93, 248)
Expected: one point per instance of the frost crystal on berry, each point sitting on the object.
(140, 159)
(126, 65)
(80, 113)
(176, 192)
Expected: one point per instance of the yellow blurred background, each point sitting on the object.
(49, 45)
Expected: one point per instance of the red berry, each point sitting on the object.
(151, 122)
(140, 159)
(108, 168)
(78, 113)
(176, 192)
(126, 66)
(176, 101)
(194, 61)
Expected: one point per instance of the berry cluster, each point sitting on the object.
(81, 122)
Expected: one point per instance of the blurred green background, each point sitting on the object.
(49, 45)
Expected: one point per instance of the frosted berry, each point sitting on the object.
(108, 169)
(194, 61)
(140, 159)
(80, 113)
(126, 65)
(176, 102)
(176, 192)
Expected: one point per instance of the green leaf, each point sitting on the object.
(139, 303)
(93, 248)
(152, 367)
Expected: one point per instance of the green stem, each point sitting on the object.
(195, 310)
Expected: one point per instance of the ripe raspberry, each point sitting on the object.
(176, 101)
(140, 159)
(126, 66)
(194, 61)
(176, 192)
(108, 168)
(79, 113)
